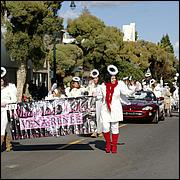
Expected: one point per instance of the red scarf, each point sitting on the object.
(109, 93)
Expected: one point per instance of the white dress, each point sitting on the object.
(158, 91)
(97, 92)
(119, 97)
(74, 92)
(8, 95)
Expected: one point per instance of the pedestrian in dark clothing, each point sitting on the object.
(43, 91)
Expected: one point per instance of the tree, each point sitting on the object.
(28, 22)
(68, 57)
(136, 36)
(166, 44)
(100, 44)
(161, 63)
(170, 63)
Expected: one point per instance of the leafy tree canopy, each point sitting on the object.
(165, 43)
(28, 22)
(68, 57)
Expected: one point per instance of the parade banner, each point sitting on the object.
(52, 117)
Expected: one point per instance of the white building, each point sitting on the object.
(129, 32)
(67, 38)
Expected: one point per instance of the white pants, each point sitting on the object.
(111, 126)
(98, 120)
(4, 120)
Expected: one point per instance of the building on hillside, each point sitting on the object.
(67, 38)
(129, 32)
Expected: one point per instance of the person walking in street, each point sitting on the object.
(114, 94)
(95, 91)
(167, 100)
(8, 95)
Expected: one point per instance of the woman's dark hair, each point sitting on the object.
(108, 78)
(5, 81)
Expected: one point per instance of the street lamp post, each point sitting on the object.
(72, 5)
(54, 47)
(54, 59)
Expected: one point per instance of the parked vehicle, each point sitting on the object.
(145, 107)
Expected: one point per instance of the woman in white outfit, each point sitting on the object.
(95, 90)
(114, 92)
(8, 95)
(75, 90)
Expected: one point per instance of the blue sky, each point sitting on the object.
(153, 18)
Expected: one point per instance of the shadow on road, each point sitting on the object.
(100, 144)
(37, 147)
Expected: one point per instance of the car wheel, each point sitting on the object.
(156, 118)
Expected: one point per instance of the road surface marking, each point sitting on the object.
(74, 142)
(12, 166)
(123, 125)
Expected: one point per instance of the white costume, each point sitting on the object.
(74, 92)
(112, 112)
(132, 87)
(176, 98)
(138, 86)
(158, 90)
(116, 114)
(147, 82)
(8, 95)
(176, 94)
(97, 92)
(90, 87)
(158, 93)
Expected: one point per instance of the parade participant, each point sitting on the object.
(114, 92)
(90, 86)
(95, 90)
(167, 100)
(152, 84)
(156, 88)
(54, 86)
(55, 95)
(8, 95)
(126, 80)
(132, 85)
(68, 88)
(176, 98)
(146, 82)
(75, 89)
(138, 86)
(144, 87)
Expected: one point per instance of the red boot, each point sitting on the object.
(108, 142)
(114, 143)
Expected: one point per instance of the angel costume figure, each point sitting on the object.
(8, 95)
(95, 90)
(114, 94)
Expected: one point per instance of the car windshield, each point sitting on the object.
(142, 95)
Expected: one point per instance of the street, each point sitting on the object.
(145, 151)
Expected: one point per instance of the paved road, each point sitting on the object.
(145, 151)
